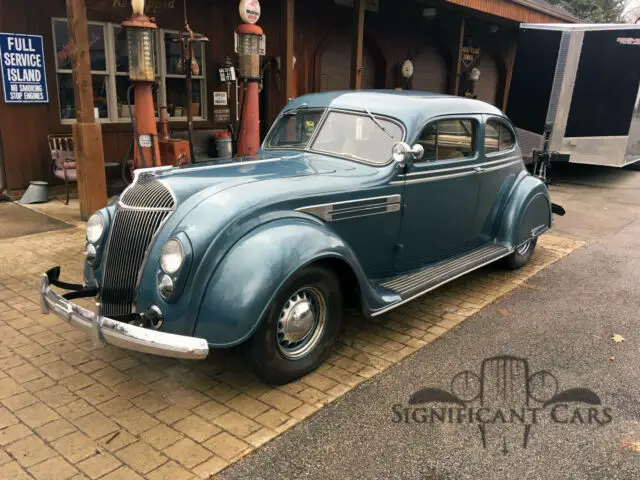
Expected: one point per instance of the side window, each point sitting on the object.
(497, 137)
(448, 139)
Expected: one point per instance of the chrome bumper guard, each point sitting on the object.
(107, 330)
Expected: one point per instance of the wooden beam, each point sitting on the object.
(456, 86)
(287, 51)
(358, 45)
(511, 56)
(87, 135)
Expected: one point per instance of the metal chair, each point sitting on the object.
(63, 160)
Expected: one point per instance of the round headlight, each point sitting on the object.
(95, 227)
(172, 256)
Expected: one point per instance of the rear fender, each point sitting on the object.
(246, 281)
(528, 212)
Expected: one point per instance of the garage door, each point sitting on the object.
(430, 72)
(486, 87)
(335, 66)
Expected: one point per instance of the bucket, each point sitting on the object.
(223, 145)
(38, 192)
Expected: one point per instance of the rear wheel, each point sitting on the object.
(521, 255)
(300, 327)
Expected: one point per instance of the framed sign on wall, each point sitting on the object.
(24, 79)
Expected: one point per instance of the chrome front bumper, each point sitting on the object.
(106, 330)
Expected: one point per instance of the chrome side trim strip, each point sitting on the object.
(472, 170)
(501, 166)
(354, 208)
(434, 178)
(419, 294)
(463, 167)
(394, 207)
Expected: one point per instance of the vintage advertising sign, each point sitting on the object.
(24, 79)
(220, 98)
(469, 55)
(250, 11)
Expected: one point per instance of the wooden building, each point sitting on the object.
(329, 45)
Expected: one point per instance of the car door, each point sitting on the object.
(440, 193)
(501, 162)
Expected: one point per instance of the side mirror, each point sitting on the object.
(403, 154)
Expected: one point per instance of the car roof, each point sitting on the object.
(413, 108)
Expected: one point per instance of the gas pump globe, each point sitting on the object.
(140, 45)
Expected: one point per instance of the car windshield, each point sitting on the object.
(294, 129)
(358, 136)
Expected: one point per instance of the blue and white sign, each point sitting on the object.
(24, 79)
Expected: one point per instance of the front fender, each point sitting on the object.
(246, 281)
(528, 212)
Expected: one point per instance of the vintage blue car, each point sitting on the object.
(336, 211)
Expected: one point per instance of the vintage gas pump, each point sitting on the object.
(149, 150)
(249, 46)
(140, 30)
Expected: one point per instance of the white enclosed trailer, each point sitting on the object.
(580, 85)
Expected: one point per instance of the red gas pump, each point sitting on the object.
(250, 42)
(140, 29)
(149, 150)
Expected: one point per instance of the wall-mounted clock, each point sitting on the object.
(407, 69)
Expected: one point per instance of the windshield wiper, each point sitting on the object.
(375, 120)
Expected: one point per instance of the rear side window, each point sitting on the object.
(497, 137)
(448, 139)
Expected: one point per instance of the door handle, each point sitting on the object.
(478, 169)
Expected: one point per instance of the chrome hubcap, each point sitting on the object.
(301, 323)
(522, 249)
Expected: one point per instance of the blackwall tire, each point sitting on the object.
(280, 351)
(521, 256)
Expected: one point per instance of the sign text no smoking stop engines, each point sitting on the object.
(23, 70)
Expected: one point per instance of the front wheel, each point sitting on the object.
(521, 255)
(300, 327)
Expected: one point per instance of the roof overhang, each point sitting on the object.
(522, 11)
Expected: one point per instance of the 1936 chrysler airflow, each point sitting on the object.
(336, 211)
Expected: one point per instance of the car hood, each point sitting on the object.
(212, 177)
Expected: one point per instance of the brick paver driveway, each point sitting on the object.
(71, 411)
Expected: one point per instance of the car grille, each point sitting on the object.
(143, 207)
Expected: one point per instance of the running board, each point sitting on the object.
(414, 284)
